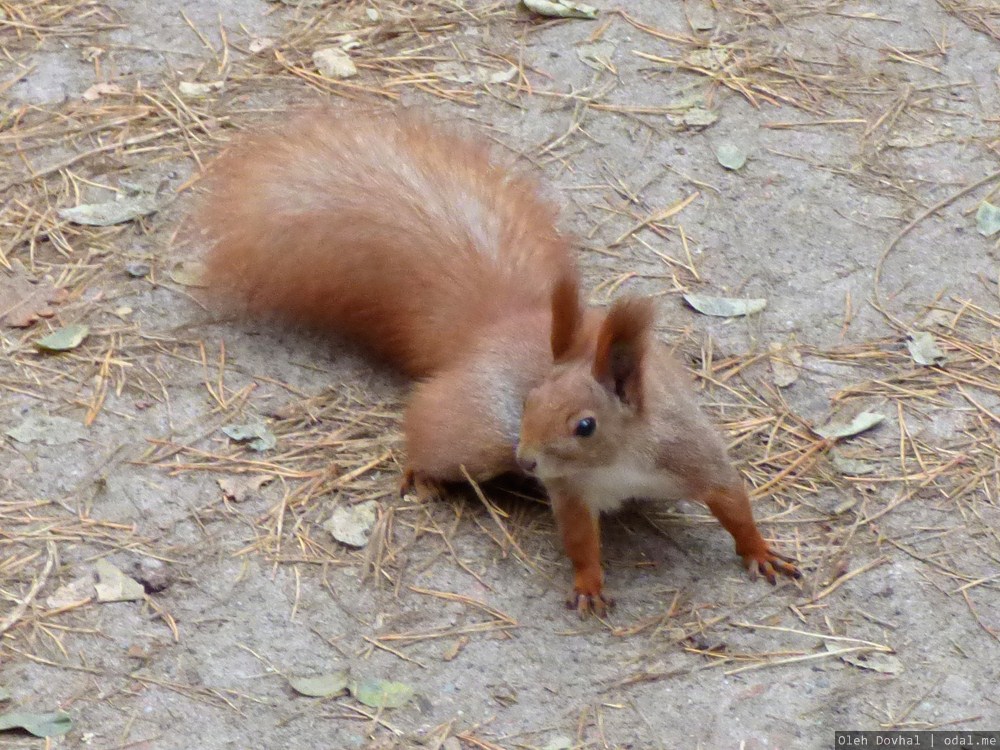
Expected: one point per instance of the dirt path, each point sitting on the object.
(862, 123)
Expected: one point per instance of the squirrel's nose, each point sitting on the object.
(527, 463)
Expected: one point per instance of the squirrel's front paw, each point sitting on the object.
(420, 484)
(589, 604)
(588, 593)
(768, 563)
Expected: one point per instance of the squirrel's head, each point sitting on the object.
(587, 410)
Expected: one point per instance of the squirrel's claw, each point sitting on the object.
(421, 485)
(585, 604)
(768, 564)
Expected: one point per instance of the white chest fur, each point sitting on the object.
(606, 488)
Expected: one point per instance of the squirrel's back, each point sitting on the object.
(386, 228)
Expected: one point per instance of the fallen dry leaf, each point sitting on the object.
(189, 273)
(117, 211)
(840, 427)
(98, 90)
(259, 44)
(74, 592)
(785, 364)
(256, 435)
(196, 89)
(23, 301)
(455, 648)
(924, 349)
(333, 62)
(47, 429)
(724, 307)
(49, 724)
(64, 339)
(114, 586)
(852, 467)
(381, 693)
(875, 661)
(352, 524)
(561, 9)
(243, 488)
(321, 686)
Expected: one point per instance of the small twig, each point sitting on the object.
(36, 586)
(845, 578)
(497, 520)
(70, 161)
(798, 659)
(877, 301)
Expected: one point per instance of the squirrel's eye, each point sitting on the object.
(585, 427)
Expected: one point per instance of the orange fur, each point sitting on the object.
(413, 240)
(417, 243)
(405, 236)
(566, 315)
(621, 347)
(580, 529)
(648, 440)
(731, 506)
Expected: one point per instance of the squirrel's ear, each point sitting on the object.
(566, 315)
(622, 344)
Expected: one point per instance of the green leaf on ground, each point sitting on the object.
(64, 339)
(699, 117)
(122, 209)
(256, 435)
(333, 62)
(924, 349)
(382, 693)
(320, 686)
(786, 362)
(724, 307)
(243, 487)
(852, 467)
(988, 219)
(838, 428)
(52, 724)
(50, 430)
(114, 586)
(352, 524)
(561, 9)
(730, 156)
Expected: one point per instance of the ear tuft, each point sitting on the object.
(622, 344)
(566, 315)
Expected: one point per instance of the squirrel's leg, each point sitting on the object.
(424, 486)
(581, 536)
(731, 505)
(468, 415)
(449, 426)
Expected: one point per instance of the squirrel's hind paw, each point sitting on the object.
(768, 564)
(417, 483)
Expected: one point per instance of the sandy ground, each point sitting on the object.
(867, 127)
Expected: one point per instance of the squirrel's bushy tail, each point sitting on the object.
(385, 228)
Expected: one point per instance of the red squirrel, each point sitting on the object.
(416, 242)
